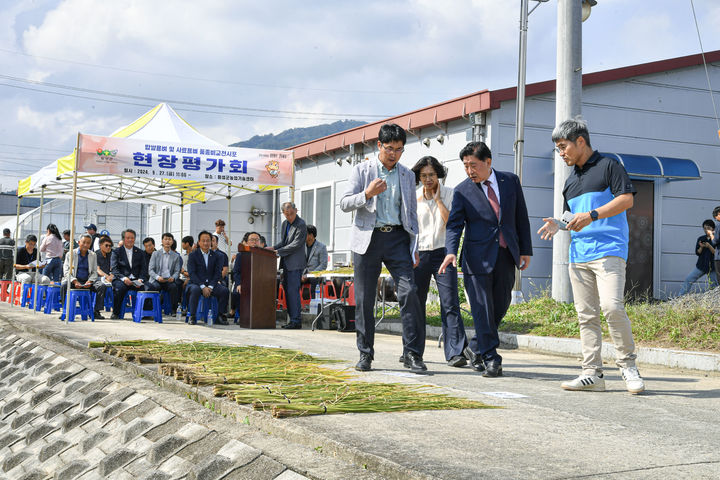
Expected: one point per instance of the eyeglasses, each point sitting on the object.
(561, 148)
(393, 150)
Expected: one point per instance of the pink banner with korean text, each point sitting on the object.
(208, 163)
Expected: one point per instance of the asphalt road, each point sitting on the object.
(542, 431)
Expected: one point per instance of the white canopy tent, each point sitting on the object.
(65, 178)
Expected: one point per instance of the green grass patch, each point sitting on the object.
(691, 322)
(287, 383)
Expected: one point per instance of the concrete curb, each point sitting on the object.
(260, 420)
(682, 359)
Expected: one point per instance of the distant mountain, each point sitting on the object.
(295, 136)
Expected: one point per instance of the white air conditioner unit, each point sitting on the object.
(339, 259)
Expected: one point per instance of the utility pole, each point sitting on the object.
(568, 96)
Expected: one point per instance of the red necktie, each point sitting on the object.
(495, 206)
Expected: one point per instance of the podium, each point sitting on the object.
(258, 268)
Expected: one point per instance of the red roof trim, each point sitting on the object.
(482, 101)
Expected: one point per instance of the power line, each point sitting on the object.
(181, 102)
(145, 105)
(31, 146)
(707, 75)
(214, 80)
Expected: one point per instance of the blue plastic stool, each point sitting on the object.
(41, 296)
(109, 298)
(129, 302)
(166, 306)
(26, 294)
(52, 299)
(154, 311)
(204, 305)
(84, 309)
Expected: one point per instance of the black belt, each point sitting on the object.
(389, 228)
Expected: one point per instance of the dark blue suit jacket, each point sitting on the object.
(472, 211)
(119, 264)
(201, 275)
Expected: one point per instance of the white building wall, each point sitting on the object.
(665, 114)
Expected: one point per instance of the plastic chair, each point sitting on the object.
(84, 309)
(166, 305)
(329, 292)
(26, 295)
(5, 290)
(305, 295)
(203, 308)
(281, 302)
(18, 292)
(52, 299)
(348, 292)
(109, 298)
(41, 298)
(154, 311)
(128, 302)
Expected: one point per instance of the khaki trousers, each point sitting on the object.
(598, 286)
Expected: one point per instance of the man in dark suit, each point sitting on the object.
(490, 206)
(291, 250)
(129, 270)
(205, 268)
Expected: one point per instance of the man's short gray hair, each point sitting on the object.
(287, 205)
(86, 235)
(571, 130)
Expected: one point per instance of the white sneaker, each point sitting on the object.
(592, 383)
(633, 380)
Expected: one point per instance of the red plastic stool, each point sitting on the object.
(281, 303)
(5, 290)
(305, 295)
(348, 293)
(18, 292)
(329, 291)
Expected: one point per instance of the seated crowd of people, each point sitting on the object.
(201, 267)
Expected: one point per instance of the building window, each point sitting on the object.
(316, 207)
(165, 219)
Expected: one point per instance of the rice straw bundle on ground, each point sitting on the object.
(287, 383)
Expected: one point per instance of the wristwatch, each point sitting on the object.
(593, 215)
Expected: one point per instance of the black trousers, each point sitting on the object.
(220, 292)
(119, 291)
(100, 289)
(490, 297)
(170, 287)
(393, 249)
(453, 329)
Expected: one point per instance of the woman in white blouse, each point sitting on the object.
(433, 208)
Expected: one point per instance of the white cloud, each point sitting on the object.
(58, 127)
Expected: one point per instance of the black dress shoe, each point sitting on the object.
(478, 365)
(114, 317)
(193, 320)
(457, 361)
(470, 355)
(493, 368)
(364, 365)
(292, 326)
(414, 362)
(221, 320)
(98, 315)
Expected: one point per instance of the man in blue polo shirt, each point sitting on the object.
(597, 193)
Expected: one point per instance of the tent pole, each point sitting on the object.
(37, 271)
(72, 232)
(182, 215)
(229, 242)
(292, 188)
(17, 227)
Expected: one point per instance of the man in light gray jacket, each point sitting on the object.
(317, 258)
(382, 194)
(164, 270)
(84, 268)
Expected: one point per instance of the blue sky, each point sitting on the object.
(307, 62)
